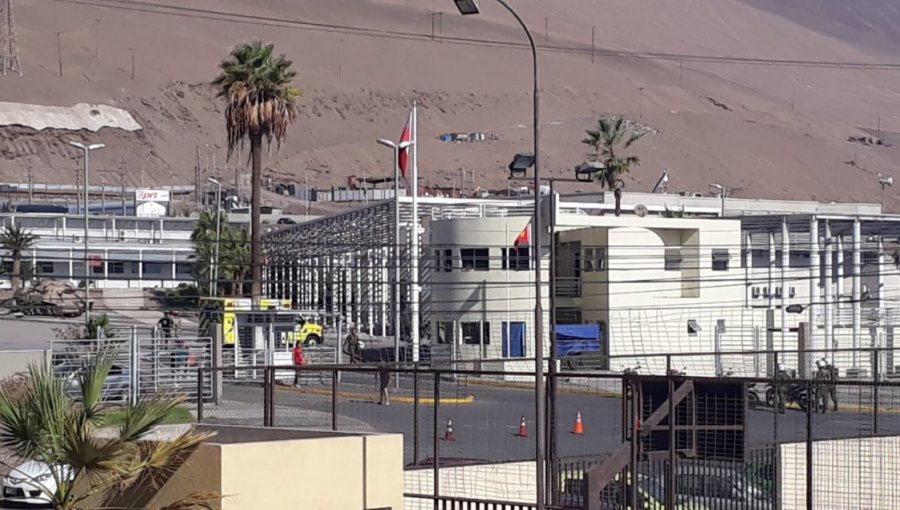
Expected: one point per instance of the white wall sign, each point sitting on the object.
(151, 195)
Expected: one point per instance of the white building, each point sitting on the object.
(655, 283)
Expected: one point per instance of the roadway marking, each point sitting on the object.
(373, 397)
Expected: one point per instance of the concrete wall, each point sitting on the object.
(513, 482)
(848, 473)
(315, 474)
(12, 362)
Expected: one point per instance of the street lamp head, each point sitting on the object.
(213, 181)
(520, 164)
(585, 171)
(467, 7)
(387, 143)
(95, 146)
(91, 147)
(405, 145)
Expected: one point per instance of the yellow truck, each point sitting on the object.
(218, 315)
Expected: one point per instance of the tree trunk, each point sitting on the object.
(255, 222)
(618, 194)
(17, 273)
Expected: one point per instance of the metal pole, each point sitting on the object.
(435, 442)
(553, 426)
(334, 396)
(809, 448)
(670, 473)
(414, 295)
(87, 283)
(397, 256)
(415, 414)
(539, 419)
(215, 281)
(200, 395)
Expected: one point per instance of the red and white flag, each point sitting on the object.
(405, 136)
(522, 238)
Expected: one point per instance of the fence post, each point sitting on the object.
(200, 394)
(809, 446)
(670, 473)
(335, 377)
(435, 441)
(339, 345)
(776, 398)
(135, 366)
(876, 368)
(267, 398)
(271, 371)
(415, 414)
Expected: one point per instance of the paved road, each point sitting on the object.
(487, 429)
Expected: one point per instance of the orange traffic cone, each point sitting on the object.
(448, 434)
(579, 426)
(523, 428)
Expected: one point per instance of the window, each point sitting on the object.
(720, 259)
(593, 259)
(673, 259)
(437, 259)
(45, 267)
(692, 327)
(755, 292)
(115, 267)
(448, 260)
(473, 332)
(153, 268)
(568, 315)
(516, 259)
(477, 259)
(568, 260)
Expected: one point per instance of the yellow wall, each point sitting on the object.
(352, 472)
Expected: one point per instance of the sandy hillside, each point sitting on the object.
(754, 94)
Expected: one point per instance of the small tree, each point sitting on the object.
(16, 240)
(606, 141)
(43, 421)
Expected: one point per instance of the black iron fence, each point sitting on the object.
(661, 440)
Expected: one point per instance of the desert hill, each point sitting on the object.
(759, 95)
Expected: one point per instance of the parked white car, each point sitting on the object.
(30, 484)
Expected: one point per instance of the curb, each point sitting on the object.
(526, 386)
(370, 397)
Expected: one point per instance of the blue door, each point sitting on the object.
(513, 339)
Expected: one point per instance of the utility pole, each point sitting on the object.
(197, 179)
(593, 32)
(31, 185)
(10, 50)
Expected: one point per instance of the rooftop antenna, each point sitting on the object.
(662, 184)
(9, 52)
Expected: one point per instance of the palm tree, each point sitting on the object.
(15, 240)
(203, 238)
(51, 422)
(605, 142)
(257, 86)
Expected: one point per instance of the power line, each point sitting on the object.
(218, 15)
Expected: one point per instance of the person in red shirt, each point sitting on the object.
(297, 353)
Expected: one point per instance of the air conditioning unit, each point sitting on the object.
(793, 292)
(697, 195)
(754, 292)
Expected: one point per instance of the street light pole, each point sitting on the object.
(87, 279)
(471, 7)
(396, 148)
(214, 270)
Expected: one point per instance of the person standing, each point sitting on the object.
(166, 325)
(297, 354)
(384, 380)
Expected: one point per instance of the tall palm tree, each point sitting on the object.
(606, 141)
(257, 86)
(51, 422)
(16, 240)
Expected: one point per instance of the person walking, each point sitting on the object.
(831, 385)
(351, 346)
(166, 325)
(384, 380)
(297, 354)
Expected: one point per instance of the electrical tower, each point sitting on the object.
(9, 48)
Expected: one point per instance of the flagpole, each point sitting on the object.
(414, 240)
(396, 255)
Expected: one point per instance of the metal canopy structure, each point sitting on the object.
(342, 264)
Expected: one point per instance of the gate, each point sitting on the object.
(142, 365)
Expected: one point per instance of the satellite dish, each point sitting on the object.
(640, 210)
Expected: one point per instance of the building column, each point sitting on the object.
(829, 288)
(882, 264)
(357, 285)
(316, 280)
(748, 271)
(814, 275)
(174, 270)
(785, 269)
(385, 290)
(771, 284)
(105, 268)
(857, 286)
(370, 291)
(839, 297)
(71, 264)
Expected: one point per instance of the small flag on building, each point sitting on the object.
(522, 237)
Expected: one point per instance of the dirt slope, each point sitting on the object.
(770, 129)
